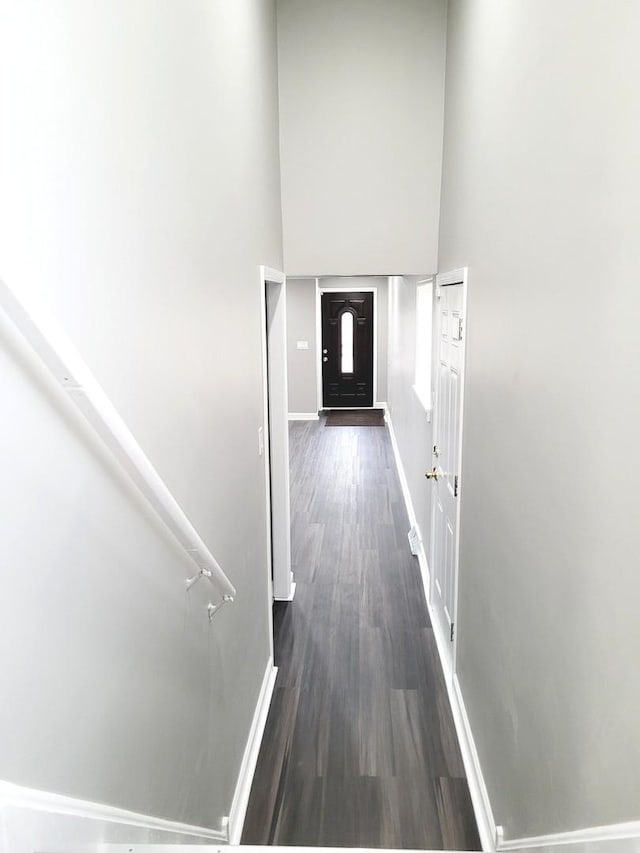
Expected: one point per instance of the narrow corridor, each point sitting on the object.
(359, 748)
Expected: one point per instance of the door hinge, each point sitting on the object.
(452, 632)
(455, 486)
(461, 332)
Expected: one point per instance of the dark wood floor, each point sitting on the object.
(360, 748)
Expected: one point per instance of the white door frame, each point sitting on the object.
(319, 291)
(275, 436)
(459, 276)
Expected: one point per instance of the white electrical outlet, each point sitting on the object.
(302, 344)
(260, 441)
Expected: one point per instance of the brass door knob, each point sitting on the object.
(432, 475)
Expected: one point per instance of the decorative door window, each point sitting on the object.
(346, 342)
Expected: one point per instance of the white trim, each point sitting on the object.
(319, 291)
(265, 451)
(304, 416)
(49, 342)
(475, 777)
(270, 274)
(250, 757)
(592, 834)
(408, 502)
(32, 819)
(318, 346)
(473, 770)
(458, 276)
(276, 463)
(424, 395)
(375, 342)
(292, 592)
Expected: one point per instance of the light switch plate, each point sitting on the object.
(302, 344)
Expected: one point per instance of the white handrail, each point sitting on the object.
(64, 363)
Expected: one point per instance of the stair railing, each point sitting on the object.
(66, 366)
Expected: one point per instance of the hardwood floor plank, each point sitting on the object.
(459, 830)
(451, 747)
(360, 748)
(265, 802)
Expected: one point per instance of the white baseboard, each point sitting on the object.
(250, 756)
(38, 820)
(406, 494)
(408, 502)
(593, 839)
(475, 778)
(304, 416)
(292, 592)
(473, 770)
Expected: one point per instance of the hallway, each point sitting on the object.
(360, 748)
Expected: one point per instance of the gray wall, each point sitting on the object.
(540, 200)
(301, 325)
(361, 104)
(301, 364)
(133, 218)
(411, 425)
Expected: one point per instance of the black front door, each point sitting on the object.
(347, 350)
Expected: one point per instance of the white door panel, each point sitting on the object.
(450, 332)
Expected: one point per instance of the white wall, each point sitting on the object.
(302, 364)
(540, 200)
(140, 192)
(411, 424)
(361, 102)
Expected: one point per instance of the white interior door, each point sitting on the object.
(445, 476)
